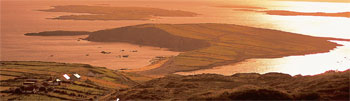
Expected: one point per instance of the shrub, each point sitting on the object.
(308, 96)
(259, 94)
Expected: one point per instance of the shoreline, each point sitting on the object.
(132, 71)
(221, 37)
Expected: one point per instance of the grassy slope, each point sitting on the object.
(228, 44)
(112, 85)
(243, 86)
(147, 36)
(104, 82)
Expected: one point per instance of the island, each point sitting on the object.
(116, 13)
(293, 13)
(284, 12)
(58, 33)
(208, 45)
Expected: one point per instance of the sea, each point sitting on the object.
(23, 16)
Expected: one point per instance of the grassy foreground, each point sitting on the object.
(242, 86)
(107, 84)
(95, 82)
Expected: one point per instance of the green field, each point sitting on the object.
(207, 45)
(228, 43)
(95, 82)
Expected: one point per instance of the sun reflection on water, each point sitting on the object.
(19, 47)
(337, 27)
(310, 25)
(326, 7)
(338, 59)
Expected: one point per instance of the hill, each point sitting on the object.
(149, 36)
(208, 45)
(242, 86)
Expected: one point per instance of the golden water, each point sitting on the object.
(20, 16)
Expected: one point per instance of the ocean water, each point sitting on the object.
(21, 16)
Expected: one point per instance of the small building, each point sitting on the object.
(57, 82)
(75, 77)
(66, 76)
(52, 81)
